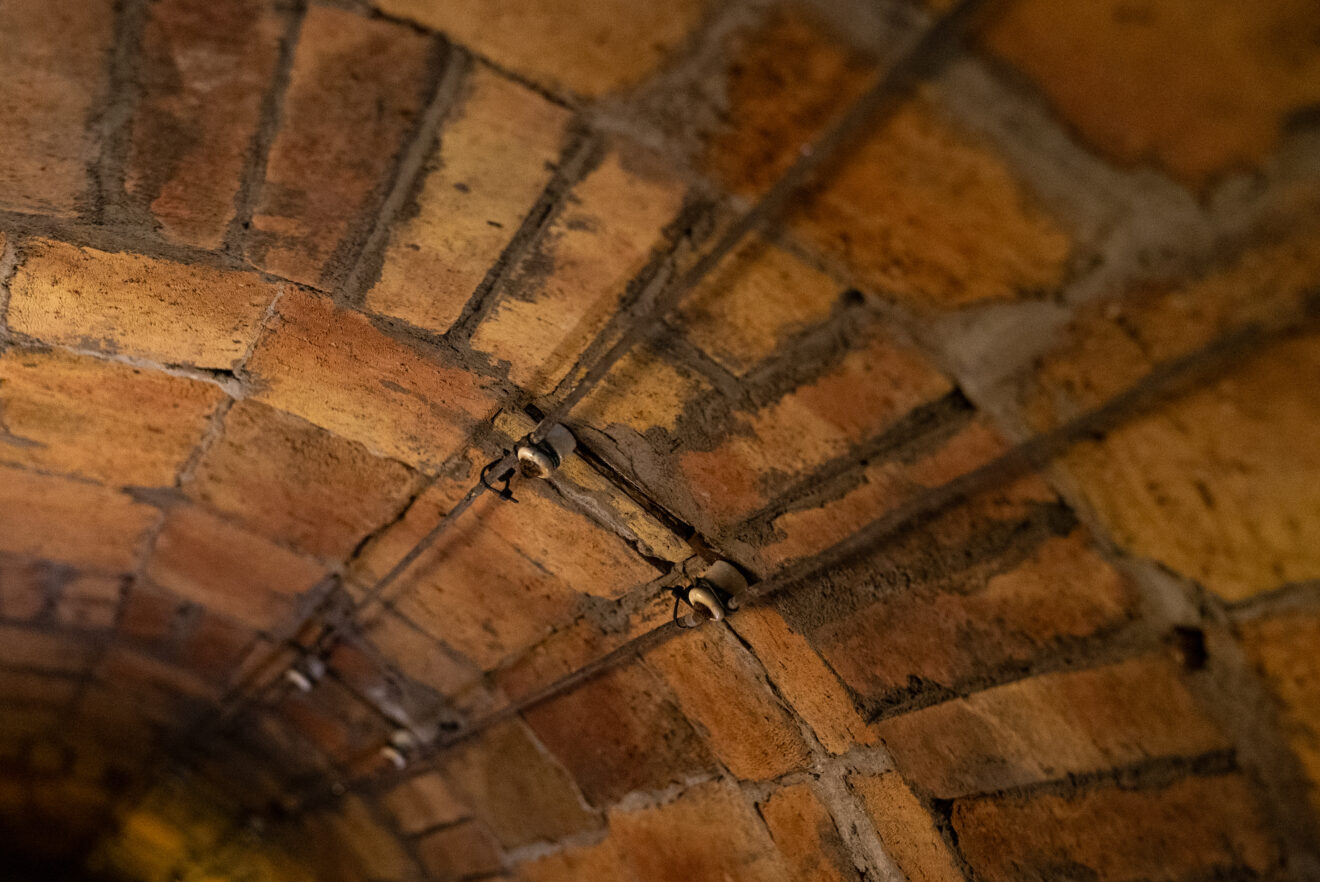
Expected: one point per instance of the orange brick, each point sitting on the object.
(1195, 828)
(90, 601)
(98, 419)
(592, 48)
(1283, 648)
(870, 389)
(719, 686)
(806, 836)
(596, 862)
(299, 484)
(460, 851)
(333, 369)
(345, 119)
(1050, 727)
(23, 648)
(619, 732)
(215, 647)
(804, 679)
(36, 688)
(569, 285)
(69, 521)
(496, 155)
(655, 841)
(905, 828)
(418, 656)
(228, 570)
(515, 789)
(643, 391)
(356, 838)
(132, 305)
(923, 213)
(50, 80)
(423, 802)
(204, 70)
(24, 587)
(1218, 105)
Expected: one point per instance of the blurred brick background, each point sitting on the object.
(1016, 407)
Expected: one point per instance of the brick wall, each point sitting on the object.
(1008, 417)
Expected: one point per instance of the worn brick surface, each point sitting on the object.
(128, 304)
(672, 840)
(459, 851)
(644, 391)
(101, 420)
(22, 648)
(345, 118)
(61, 519)
(601, 861)
(1282, 647)
(806, 836)
(298, 483)
(564, 291)
(618, 733)
(204, 71)
(905, 828)
(50, 80)
(496, 153)
(222, 567)
(24, 587)
(589, 48)
(1217, 106)
(1197, 827)
(90, 601)
(418, 656)
(423, 802)
(1051, 726)
(332, 368)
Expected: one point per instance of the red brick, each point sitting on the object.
(495, 156)
(215, 647)
(720, 686)
(1195, 828)
(333, 369)
(596, 862)
(345, 119)
(619, 732)
(520, 794)
(50, 80)
(63, 520)
(673, 841)
(36, 688)
(422, 802)
(460, 851)
(228, 570)
(298, 483)
(1218, 105)
(127, 304)
(570, 283)
(806, 836)
(1050, 727)
(98, 419)
(203, 72)
(591, 49)
(905, 828)
(335, 722)
(24, 648)
(90, 601)
(419, 656)
(148, 615)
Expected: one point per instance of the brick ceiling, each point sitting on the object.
(981, 336)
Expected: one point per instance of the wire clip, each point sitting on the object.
(712, 595)
(504, 491)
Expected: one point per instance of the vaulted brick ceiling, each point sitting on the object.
(1008, 412)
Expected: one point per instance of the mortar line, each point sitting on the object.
(116, 121)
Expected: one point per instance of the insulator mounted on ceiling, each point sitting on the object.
(712, 596)
(400, 749)
(305, 674)
(540, 459)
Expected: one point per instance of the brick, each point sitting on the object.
(345, 119)
(1213, 484)
(570, 282)
(419, 656)
(459, 851)
(512, 786)
(673, 840)
(927, 215)
(215, 647)
(496, 154)
(1195, 828)
(90, 601)
(591, 49)
(755, 300)
(36, 688)
(49, 82)
(945, 630)
(335, 370)
(203, 72)
(422, 802)
(1050, 727)
(335, 722)
(868, 391)
(1219, 105)
(619, 732)
(148, 615)
(803, 678)
(806, 836)
(786, 81)
(59, 519)
(23, 648)
(1282, 648)
(24, 587)
(357, 837)
(145, 676)
(228, 570)
(597, 862)
(643, 391)
(299, 484)
(905, 828)
(719, 685)
(100, 420)
(128, 304)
